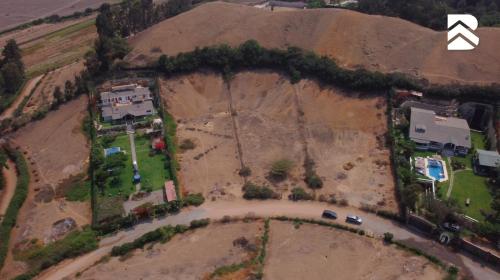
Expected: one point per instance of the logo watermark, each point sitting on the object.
(460, 35)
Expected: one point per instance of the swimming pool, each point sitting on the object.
(435, 169)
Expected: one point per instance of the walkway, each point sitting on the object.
(10, 176)
(131, 137)
(216, 210)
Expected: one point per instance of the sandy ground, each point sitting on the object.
(16, 12)
(315, 252)
(353, 39)
(334, 129)
(7, 192)
(43, 95)
(187, 256)
(55, 148)
(199, 104)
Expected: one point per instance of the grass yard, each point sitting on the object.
(151, 168)
(478, 141)
(127, 187)
(468, 185)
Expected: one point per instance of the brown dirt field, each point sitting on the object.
(316, 252)
(16, 12)
(187, 256)
(43, 95)
(335, 129)
(28, 87)
(55, 149)
(353, 39)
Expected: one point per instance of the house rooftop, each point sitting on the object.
(134, 109)
(426, 126)
(488, 158)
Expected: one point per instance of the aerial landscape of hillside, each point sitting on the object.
(183, 139)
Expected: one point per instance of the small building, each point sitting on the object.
(169, 189)
(485, 162)
(447, 135)
(126, 102)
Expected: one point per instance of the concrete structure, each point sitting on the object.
(486, 162)
(170, 194)
(450, 136)
(128, 101)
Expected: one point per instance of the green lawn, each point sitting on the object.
(468, 185)
(127, 187)
(478, 141)
(151, 168)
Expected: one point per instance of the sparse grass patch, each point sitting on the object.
(280, 169)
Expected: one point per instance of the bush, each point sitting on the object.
(299, 193)
(194, 199)
(252, 191)
(199, 223)
(388, 237)
(245, 172)
(457, 165)
(313, 181)
(280, 169)
(187, 144)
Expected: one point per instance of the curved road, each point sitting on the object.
(216, 210)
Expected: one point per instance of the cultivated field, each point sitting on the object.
(315, 252)
(15, 12)
(193, 255)
(353, 39)
(273, 120)
(55, 149)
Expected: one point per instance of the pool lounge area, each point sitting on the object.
(432, 168)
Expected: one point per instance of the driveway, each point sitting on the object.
(216, 210)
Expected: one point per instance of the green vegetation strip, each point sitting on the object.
(20, 194)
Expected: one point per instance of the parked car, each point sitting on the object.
(329, 214)
(353, 219)
(451, 227)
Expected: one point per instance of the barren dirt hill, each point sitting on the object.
(353, 39)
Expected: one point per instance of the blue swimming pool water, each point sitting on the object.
(435, 169)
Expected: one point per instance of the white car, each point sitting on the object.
(353, 219)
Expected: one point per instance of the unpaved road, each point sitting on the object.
(30, 85)
(9, 174)
(216, 210)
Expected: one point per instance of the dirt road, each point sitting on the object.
(10, 186)
(216, 210)
(30, 85)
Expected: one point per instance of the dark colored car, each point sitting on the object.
(451, 227)
(353, 219)
(328, 214)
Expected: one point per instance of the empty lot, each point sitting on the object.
(259, 117)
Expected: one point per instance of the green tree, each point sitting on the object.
(69, 90)
(58, 97)
(12, 54)
(12, 73)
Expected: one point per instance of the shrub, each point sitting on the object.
(196, 199)
(252, 191)
(343, 202)
(314, 181)
(199, 223)
(388, 237)
(187, 144)
(245, 172)
(299, 193)
(457, 165)
(280, 169)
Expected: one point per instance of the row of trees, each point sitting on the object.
(298, 63)
(432, 13)
(11, 69)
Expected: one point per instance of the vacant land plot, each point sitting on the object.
(260, 118)
(15, 12)
(193, 255)
(315, 252)
(43, 95)
(55, 149)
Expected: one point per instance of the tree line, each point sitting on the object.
(298, 63)
(11, 72)
(432, 13)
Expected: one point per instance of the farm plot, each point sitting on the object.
(55, 149)
(186, 256)
(315, 252)
(260, 117)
